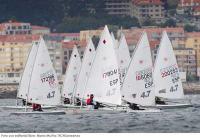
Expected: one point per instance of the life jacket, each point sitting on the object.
(36, 107)
(89, 101)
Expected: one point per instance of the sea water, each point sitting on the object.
(173, 120)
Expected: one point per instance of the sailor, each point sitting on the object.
(90, 100)
(134, 106)
(37, 107)
(66, 101)
(159, 101)
(78, 102)
(24, 103)
(96, 105)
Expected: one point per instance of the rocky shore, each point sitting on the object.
(9, 91)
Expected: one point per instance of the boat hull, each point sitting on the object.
(70, 106)
(144, 111)
(39, 113)
(90, 109)
(28, 107)
(171, 106)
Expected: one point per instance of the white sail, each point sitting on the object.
(166, 73)
(71, 74)
(26, 76)
(43, 87)
(138, 84)
(85, 69)
(123, 57)
(103, 80)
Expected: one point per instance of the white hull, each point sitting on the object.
(118, 109)
(23, 107)
(107, 110)
(144, 111)
(39, 112)
(88, 109)
(70, 106)
(171, 106)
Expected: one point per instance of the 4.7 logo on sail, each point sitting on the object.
(51, 95)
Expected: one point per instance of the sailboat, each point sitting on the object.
(137, 87)
(123, 57)
(43, 84)
(86, 65)
(25, 80)
(71, 76)
(103, 81)
(167, 80)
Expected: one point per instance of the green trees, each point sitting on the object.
(171, 4)
(62, 15)
(75, 24)
(170, 23)
(190, 28)
(149, 22)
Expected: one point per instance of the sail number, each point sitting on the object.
(121, 76)
(113, 82)
(48, 78)
(169, 71)
(145, 94)
(110, 73)
(148, 84)
(51, 94)
(174, 88)
(144, 74)
(175, 78)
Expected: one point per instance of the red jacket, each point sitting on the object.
(36, 106)
(89, 101)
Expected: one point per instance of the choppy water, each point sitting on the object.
(174, 120)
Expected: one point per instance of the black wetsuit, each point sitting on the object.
(159, 101)
(78, 102)
(98, 105)
(24, 103)
(66, 101)
(134, 106)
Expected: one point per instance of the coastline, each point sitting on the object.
(9, 91)
(191, 88)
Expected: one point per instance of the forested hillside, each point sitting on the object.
(62, 15)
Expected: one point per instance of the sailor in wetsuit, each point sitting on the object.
(78, 102)
(67, 101)
(159, 101)
(24, 103)
(90, 101)
(134, 106)
(37, 107)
